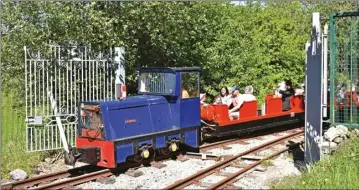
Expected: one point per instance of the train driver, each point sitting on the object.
(184, 93)
(239, 99)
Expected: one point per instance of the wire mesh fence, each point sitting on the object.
(344, 78)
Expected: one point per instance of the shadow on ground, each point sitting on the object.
(297, 152)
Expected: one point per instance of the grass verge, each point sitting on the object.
(13, 140)
(267, 163)
(339, 171)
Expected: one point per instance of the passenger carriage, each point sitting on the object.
(217, 123)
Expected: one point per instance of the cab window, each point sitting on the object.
(189, 85)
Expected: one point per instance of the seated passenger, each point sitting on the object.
(286, 94)
(184, 93)
(230, 91)
(217, 100)
(203, 98)
(281, 86)
(224, 96)
(299, 91)
(239, 99)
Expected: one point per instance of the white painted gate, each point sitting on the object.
(71, 74)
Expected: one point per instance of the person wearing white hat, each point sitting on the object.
(202, 97)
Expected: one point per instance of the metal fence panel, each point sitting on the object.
(71, 74)
(344, 81)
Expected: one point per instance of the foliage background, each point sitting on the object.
(256, 44)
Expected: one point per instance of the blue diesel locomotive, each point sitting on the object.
(166, 117)
(157, 121)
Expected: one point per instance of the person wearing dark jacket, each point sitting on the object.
(286, 94)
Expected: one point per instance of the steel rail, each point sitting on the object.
(77, 180)
(233, 178)
(76, 176)
(218, 144)
(49, 177)
(88, 173)
(205, 172)
(239, 140)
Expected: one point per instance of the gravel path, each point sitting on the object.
(282, 166)
(238, 148)
(154, 178)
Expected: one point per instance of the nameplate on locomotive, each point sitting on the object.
(130, 121)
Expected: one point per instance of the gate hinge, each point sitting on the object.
(35, 120)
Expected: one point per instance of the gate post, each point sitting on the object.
(314, 94)
(120, 88)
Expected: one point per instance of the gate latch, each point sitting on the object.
(35, 120)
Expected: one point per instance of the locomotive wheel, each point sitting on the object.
(147, 162)
(165, 151)
(137, 158)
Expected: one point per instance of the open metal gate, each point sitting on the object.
(70, 75)
(344, 78)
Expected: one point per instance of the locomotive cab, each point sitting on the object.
(161, 119)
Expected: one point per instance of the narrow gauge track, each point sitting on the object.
(47, 178)
(241, 140)
(104, 173)
(229, 179)
(236, 140)
(75, 176)
(87, 173)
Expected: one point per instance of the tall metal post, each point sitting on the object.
(120, 72)
(325, 71)
(314, 94)
(332, 66)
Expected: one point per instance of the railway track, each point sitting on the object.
(235, 160)
(242, 140)
(68, 178)
(47, 178)
(104, 173)
(76, 176)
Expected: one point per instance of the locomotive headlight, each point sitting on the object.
(145, 153)
(173, 147)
